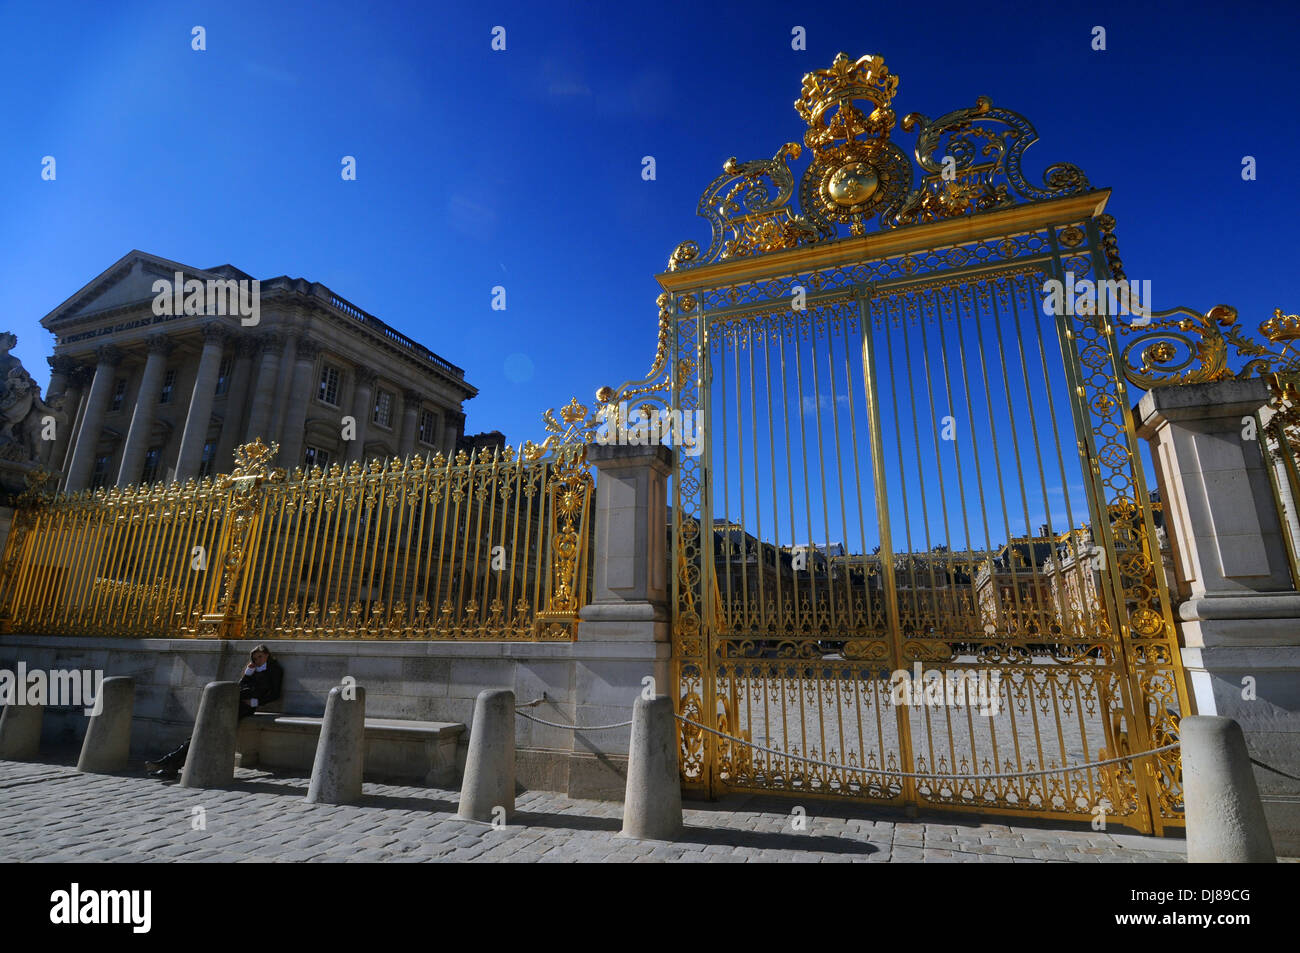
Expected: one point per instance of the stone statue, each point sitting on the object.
(24, 417)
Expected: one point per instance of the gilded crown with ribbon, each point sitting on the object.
(867, 78)
(856, 171)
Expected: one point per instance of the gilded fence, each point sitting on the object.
(487, 546)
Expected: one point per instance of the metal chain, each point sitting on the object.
(553, 724)
(929, 777)
(1269, 767)
(864, 770)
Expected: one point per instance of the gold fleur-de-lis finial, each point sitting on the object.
(251, 458)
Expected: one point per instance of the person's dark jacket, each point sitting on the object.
(264, 686)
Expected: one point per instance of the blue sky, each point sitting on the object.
(523, 168)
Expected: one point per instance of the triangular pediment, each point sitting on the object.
(127, 281)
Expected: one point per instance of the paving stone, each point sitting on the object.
(57, 814)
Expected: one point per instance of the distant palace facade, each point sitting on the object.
(149, 396)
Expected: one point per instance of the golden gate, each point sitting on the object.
(909, 464)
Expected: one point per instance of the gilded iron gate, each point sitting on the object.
(917, 538)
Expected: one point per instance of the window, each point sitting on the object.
(168, 387)
(383, 409)
(209, 459)
(100, 475)
(223, 376)
(152, 458)
(329, 385)
(427, 431)
(119, 394)
(316, 457)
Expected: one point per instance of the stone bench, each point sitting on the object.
(420, 752)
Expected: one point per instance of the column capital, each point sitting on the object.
(109, 354)
(62, 364)
(161, 344)
(412, 397)
(308, 349)
(214, 331)
(246, 345)
(270, 342)
(81, 375)
(365, 377)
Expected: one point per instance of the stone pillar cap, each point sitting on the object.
(608, 456)
(1230, 398)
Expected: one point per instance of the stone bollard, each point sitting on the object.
(1225, 819)
(340, 753)
(20, 732)
(210, 762)
(652, 807)
(107, 745)
(490, 765)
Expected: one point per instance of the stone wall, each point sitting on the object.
(585, 683)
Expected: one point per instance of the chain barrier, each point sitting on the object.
(929, 776)
(925, 776)
(554, 724)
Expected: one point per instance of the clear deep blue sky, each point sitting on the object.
(523, 169)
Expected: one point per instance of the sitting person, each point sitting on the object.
(261, 683)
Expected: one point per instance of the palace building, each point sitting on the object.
(160, 386)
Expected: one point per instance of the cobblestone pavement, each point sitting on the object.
(49, 812)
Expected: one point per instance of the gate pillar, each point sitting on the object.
(1240, 614)
(623, 633)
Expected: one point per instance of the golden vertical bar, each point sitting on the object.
(821, 472)
(789, 456)
(811, 621)
(711, 517)
(761, 570)
(846, 619)
(857, 475)
(776, 499)
(921, 314)
(740, 482)
(890, 591)
(898, 450)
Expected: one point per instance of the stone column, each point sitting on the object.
(83, 451)
(1240, 614)
(199, 417)
(65, 393)
(74, 406)
(623, 635)
(61, 368)
(283, 384)
(363, 406)
(236, 401)
(259, 415)
(452, 427)
(300, 394)
(411, 401)
(146, 403)
(439, 429)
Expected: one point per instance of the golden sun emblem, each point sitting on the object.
(852, 184)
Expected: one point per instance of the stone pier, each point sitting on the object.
(1238, 608)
